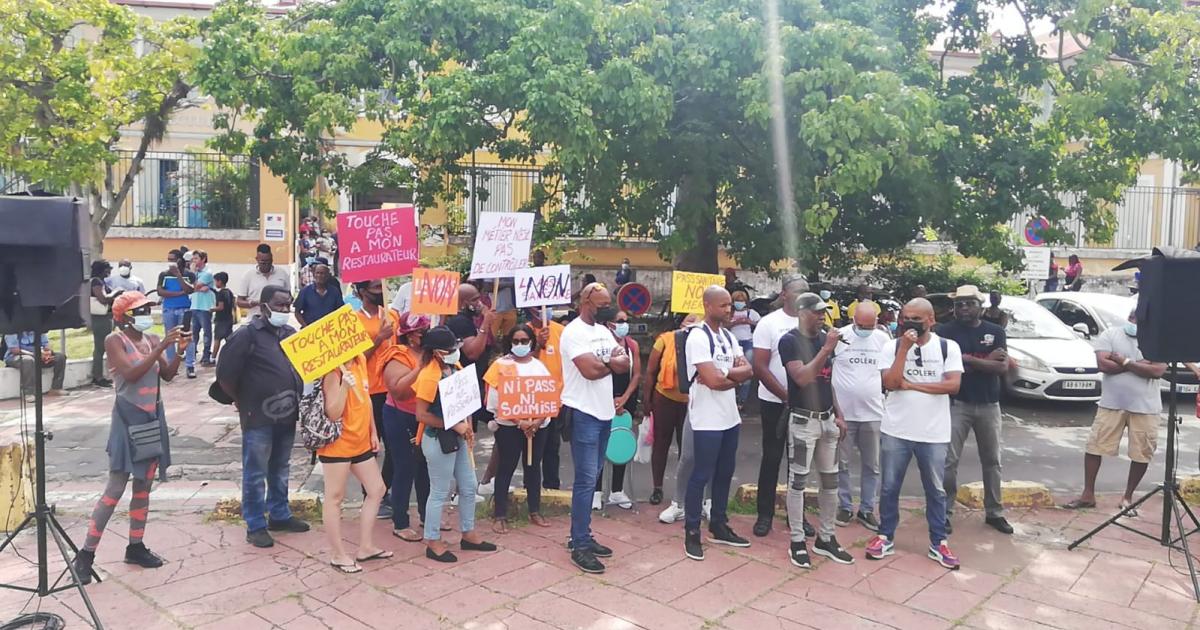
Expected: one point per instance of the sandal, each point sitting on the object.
(539, 520)
(1078, 504)
(407, 535)
(1127, 511)
(500, 525)
(382, 554)
(346, 568)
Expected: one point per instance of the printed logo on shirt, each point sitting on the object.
(988, 339)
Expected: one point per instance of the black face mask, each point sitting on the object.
(605, 314)
(375, 298)
(917, 326)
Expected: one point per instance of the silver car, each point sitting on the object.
(1052, 361)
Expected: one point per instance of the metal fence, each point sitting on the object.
(191, 190)
(1147, 216)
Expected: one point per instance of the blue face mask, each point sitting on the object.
(310, 260)
(739, 305)
(521, 350)
(353, 301)
(1131, 329)
(143, 322)
(621, 329)
(863, 332)
(825, 295)
(892, 327)
(279, 319)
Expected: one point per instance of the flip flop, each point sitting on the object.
(1128, 512)
(382, 554)
(1078, 504)
(346, 568)
(397, 534)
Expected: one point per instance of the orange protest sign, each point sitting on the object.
(528, 397)
(434, 292)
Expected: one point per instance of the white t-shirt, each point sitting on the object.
(533, 367)
(857, 382)
(594, 398)
(916, 416)
(743, 332)
(1127, 391)
(710, 410)
(403, 298)
(766, 337)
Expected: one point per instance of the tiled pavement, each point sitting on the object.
(1029, 580)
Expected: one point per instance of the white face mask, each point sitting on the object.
(124, 271)
(521, 350)
(450, 358)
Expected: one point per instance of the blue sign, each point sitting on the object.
(1035, 231)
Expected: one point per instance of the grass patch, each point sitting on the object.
(79, 341)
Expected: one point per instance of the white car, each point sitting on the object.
(1053, 362)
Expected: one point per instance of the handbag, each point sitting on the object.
(145, 440)
(448, 440)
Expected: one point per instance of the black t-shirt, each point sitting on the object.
(463, 327)
(268, 387)
(225, 315)
(817, 396)
(977, 341)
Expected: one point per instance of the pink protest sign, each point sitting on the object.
(375, 244)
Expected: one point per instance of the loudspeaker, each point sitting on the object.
(1168, 301)
(44, 263)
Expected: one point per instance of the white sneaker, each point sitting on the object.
(673, 513)
(488, 488)
(621, 500)
(704, 512)
(597, 500)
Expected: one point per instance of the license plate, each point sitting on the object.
(1079, 385)
(1188, 389)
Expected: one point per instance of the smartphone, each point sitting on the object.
(187, 322)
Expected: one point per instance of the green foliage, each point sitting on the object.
(223, 195)
(901, 273)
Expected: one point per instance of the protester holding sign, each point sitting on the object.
(446, 448)
(515, 435)
(401, 365)
(346, 401)
(380, 323)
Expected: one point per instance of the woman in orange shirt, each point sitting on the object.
(401, 365)
(346, 399)
(445, 449)
(380, 323)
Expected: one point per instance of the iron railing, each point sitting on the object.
(1146, 217)
(191, 190)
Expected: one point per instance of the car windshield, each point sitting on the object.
(1028, 320)
(1113, 309)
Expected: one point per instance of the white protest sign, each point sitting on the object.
(1037, 263)
(459, 394)
(543, 286)
(501, 244)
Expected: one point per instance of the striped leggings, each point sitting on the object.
(139, 507)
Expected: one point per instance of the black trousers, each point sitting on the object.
(511, 446)
(774, 443)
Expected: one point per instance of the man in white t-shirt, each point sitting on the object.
(858, 388)
(715, 366)
(772, 391)
(591, 356)
(924, 370)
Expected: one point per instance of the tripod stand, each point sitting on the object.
(44, 519)
(1173, 503)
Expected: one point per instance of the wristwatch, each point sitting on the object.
(1126, 362)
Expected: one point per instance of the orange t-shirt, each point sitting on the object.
(357, 419)
(407, 357)
(667, 383)
(374, 365)
(551, 354)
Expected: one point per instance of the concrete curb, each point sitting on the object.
(304, 505)
(1013, 494)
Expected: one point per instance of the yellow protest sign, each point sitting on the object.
(322, 346)
(687, 290)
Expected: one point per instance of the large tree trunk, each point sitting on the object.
(696, 213)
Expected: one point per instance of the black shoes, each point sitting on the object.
(832, 550)
(292, 525)
(83, 565)
(843, 517)
(762, 526)
(260, 538)
(798, 554)
(1000, 523)
(445, 556)
(479, 546)
(656, 497)
(102, 382)
(868, 520)
(191, 372)
(586, 561)
(138, 554)
(723, 535)
(598, 550)
(691, 545)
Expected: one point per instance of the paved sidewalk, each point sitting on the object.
(1029, 580)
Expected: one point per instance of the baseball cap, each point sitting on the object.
(794, 278)
(439, 338)
(128, 301)
(810, 302)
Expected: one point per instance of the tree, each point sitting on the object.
(73, 74)
(655, 116)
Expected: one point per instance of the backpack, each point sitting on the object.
(668, 375)
(316, 428)
(681, 363)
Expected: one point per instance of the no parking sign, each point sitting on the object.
(634, 298)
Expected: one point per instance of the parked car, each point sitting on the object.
(1049, 360)
(1097, 312)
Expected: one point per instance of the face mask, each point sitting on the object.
(625, 266)
(279, 319)
(825, 295)
(124, 271)
(863, 332)
(1131, 329)
(621, 329)
(917, 326)
(375, 298)
(450, 358)
(310, 260)
(521, 350)
(739, 305)
(605, 314)
(353, 301)
(143, 322)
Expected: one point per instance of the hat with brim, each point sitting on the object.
(810, 302)
(967, 292)
(129, 301)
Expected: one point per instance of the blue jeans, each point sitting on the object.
(931, 462)
(716, 456)
(172, 317)
(743, 390)
(399, 427)
(201, 324)
(589, 442)
(266, 456)
(444, 468)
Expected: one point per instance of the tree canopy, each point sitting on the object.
(654, 117)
